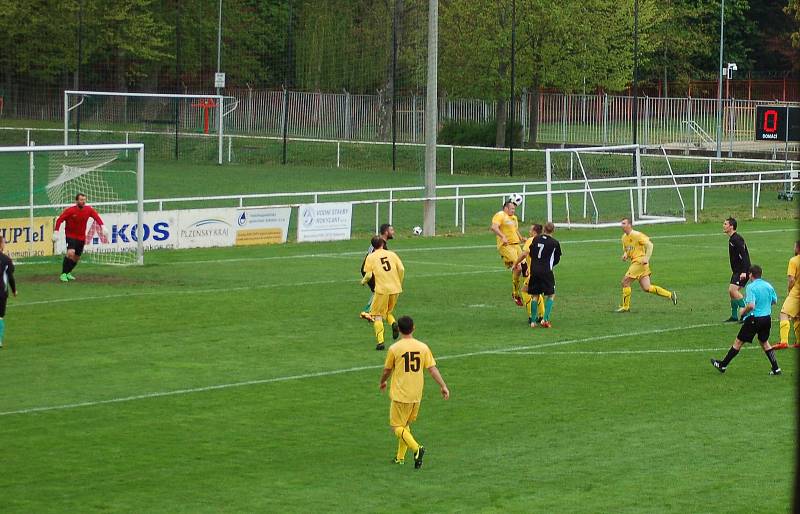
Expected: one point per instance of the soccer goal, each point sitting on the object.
(170, 125)
(596, 187)
(41, 181)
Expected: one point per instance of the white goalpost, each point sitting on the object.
(596, 186)
(148, 117)
(44, 180)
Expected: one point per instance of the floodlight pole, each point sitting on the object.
(394, 86)
(635, 72)
(78, 72)
(431, 119)
(513, 77)
(719, 82)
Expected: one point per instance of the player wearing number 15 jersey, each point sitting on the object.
(405, 362)
(388, 271)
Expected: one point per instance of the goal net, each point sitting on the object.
(596, 187)
(41, 181)
(187, 126)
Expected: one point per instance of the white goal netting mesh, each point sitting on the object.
(595, 187)
(108, 180)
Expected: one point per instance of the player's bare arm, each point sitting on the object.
(384, 377)
(496, 229)
(434, 371)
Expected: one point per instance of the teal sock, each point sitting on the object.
(735, 309)
(548, 306)
(2, 329)
(369, 304)
(739, 305)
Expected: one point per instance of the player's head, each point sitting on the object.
(797, 247)
(729, 225)
(377, 242)
(510, 207)
(536, 229)
(627, 225)
(80, 199)
(386, 231)
(755, 271)
(406, 325)
(549, 228)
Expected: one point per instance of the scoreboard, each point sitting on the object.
(777, 123)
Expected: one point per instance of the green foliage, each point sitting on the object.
(467, 133)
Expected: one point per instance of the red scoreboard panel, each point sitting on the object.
(775, 123)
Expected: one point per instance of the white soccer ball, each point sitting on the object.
(515, 198)
(417, 230)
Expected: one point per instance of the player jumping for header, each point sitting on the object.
(75, 219)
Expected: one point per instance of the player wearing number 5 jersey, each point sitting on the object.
(405, 362)
(388, 271)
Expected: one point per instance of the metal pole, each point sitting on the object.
(177, 72)
(140, 206)
(431, 118)
(394, 87)
(513, 79)
(287, 56)
(719, 81)
(78, 73)
(219, 41)
(635, 71)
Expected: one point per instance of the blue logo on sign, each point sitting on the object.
(243, 219)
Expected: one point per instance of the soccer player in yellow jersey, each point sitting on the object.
(527, 299)
(388, 271)
(637, 248)
(506, 227)
(405, 362)
(791, 306)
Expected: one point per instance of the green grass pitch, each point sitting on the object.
(242, 380)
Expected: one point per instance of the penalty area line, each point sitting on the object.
(327, 373)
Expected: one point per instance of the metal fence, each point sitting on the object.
(547, 118)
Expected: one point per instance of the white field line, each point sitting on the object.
(220, 290)
(179, 392)
(408, 250)
(629, 352)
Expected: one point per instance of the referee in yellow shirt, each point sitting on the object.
(637, 248)
(405, 361)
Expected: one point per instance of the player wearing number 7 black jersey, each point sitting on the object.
(405, 362)
(388, 271)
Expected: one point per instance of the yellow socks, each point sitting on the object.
(540, 307)
(515, 285)
(660, 291)
(390, 319)
(527, 300)
(797, 332)
(378, 326)
(402, 448)
(404, 434)
(626, 298)
(785, 325)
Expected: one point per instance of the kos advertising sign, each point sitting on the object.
(324, 221)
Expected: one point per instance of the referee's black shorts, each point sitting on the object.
(542, 282)
(753, 326)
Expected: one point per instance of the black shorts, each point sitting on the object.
(75, 244)
(755, 325)
(3, 302)
(736, 281)
(542, 282)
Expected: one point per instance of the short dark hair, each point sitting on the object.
(78, 196)
(377, 242)
(505, 203)
(731, 222)
(756, 270)
(549, 228)
(405, 324)
(537, 228)
(797, 243)
(627, 219)
(385, 228)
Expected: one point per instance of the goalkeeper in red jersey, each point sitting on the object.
(75, 219)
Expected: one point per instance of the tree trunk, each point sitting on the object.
(533, 107)
(502, 116)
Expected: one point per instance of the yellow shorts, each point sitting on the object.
(510, 253)
(637, 271)
(383, 304)
(401, 414)
(791, 306)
